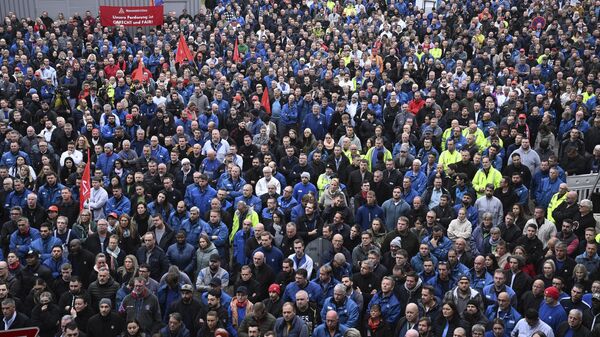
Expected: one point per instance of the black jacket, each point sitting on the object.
(440, 324)
(410, 242)
(94, 245)
(265, 277)
(21, 321)
(47, 320)
(30, 274)
(158, 262)
(111, 325)
(189, 313)
(82, 263)
(533, 247)
(564, 327)
(521, 283)
(99, 291)
(274, 307)
(167, 239)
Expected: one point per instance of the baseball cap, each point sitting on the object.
(113, 214)
(187, 287)
(522, 116)
(32, 252)
(552, 292)
(215, 282)
(242, 290)
(53, 208)
(215, 258)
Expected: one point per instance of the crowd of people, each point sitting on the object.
(316, 168)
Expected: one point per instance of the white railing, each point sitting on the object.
(584, 185)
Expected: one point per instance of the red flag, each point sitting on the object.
(23, 332)
(236, 53)
(138, 74)
(183, 51)
(85, 190)
(265, 102)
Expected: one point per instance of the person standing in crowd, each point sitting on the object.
(428, 135)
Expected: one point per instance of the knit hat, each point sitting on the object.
(396, 242)
(275, 288)
(473, 302)
(552, 292)
(106, 301)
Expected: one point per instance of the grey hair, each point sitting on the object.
(586, 203)
(478, 328)
(340, 286)
(352, 332)
(576, 312)
(339, 258)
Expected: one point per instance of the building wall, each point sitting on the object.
(33, 8)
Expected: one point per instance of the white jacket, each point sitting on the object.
(98, 198)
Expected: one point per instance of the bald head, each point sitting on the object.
(260, 255)
(331, 317)
(412, 333)
(412, 307)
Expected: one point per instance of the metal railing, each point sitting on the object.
(584, 185)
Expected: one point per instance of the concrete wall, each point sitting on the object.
(33, 8)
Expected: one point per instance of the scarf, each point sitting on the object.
(241, 304)
(14, 266)
(374, 324)
(114, 254)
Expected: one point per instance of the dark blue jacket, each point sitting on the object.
(181, 255)
(221, 232)
(234, 188)
(106, 162)
(44, 246)
(313, 290)
(239, 246)
(390, 306)
(193, 230)
(322, 331)
(317, 124)
(273, 257)
(49, 195)
(366, 213)
(16, 199)
(23, 241)
(348, 312)
(510, 316)
(55, 265)
(289, 114)
(121, 206)
(195, 196)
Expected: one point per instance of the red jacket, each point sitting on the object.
(414, 106)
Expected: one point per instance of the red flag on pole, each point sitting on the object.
(236, 53)
(138, 74)
(85, 190)
(265, 102)
(183, 51)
